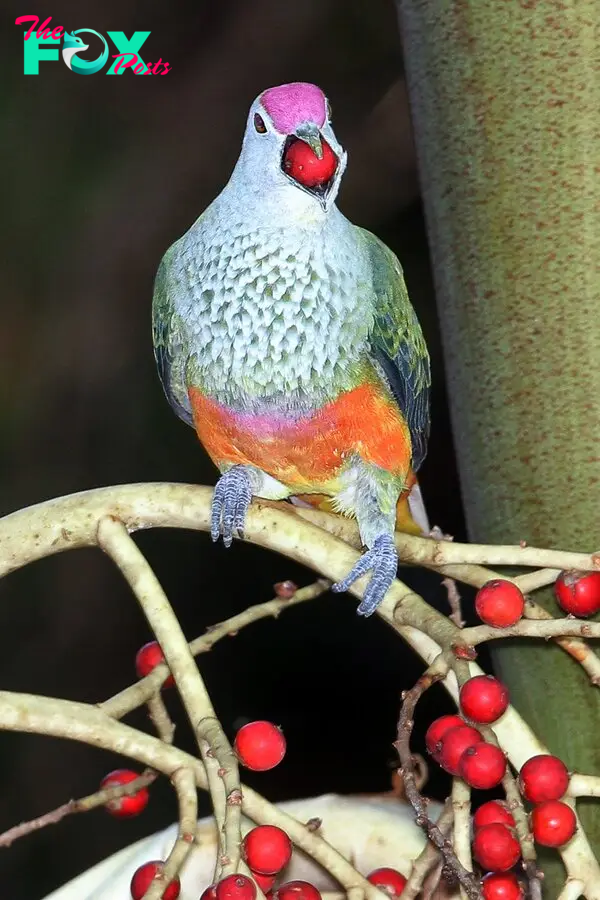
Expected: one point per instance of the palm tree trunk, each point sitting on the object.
(505, 97)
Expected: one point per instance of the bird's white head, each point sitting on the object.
(290, 150)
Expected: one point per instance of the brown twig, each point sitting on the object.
(157, 710)
(429, 856)
(454, 600)
(436, 671)
(84, 804)
(136, 694)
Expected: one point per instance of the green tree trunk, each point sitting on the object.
(505, 99)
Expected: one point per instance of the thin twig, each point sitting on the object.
(454, 601)
(160, 718)
(584, 785)
(434, 673)
(515, 804)
(428, 857)
(552, 628)
(230, 804)
(132, 697)
(184, 782)
(578, 649)
(461, 832)
(84, 804)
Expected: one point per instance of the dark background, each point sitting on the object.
(100, 176)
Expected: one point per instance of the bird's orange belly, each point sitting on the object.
(308, 453)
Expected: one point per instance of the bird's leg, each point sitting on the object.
(233, 495)
(374, 494)
(230, 503)
(382, 560)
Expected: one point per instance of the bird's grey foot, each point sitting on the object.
(230, 503)
(382, 559)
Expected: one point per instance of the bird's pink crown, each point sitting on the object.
(291, 104)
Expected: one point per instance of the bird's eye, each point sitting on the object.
(328, 108)
(259, 124)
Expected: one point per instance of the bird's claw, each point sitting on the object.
(230, 503)
(382, 559)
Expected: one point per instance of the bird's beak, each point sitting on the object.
(310, 134)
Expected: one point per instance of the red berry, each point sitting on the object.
(491, 812)
(499, 603)
(389, 880)
(501, 887)
(147, 658)
(259, 746)
(296, 890)
(495, 848)
(301, 163)
(124, 807)
(437, 730)
(543, 777)
(265, 882)
(235, 887)
(483, 698)
(482, 766)
(454, 743)
(144, 876)
(209, 893)
(578, 592)
(553, 823)
(267, 849)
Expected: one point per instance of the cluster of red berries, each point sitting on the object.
(544, 781)
(147, 658)
(456, 745)
(501, 604)
(266, 849)
(240, 887)
(460, 748)
(497, 850)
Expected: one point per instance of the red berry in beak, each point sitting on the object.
(302, 164)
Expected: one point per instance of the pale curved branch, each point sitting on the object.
(68, 522)
(73, 522)
(184, 782)
(114, 539)
(89, 724)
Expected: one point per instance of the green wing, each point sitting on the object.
(169, 338)
(398, 346)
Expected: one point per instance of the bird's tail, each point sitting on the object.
(411, 515)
